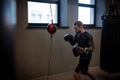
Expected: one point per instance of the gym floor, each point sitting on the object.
(96, 71)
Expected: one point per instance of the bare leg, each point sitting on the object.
(76, 76)
(90, 75)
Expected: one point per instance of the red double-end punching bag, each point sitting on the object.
(51, 28)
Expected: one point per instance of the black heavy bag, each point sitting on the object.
(110, 41)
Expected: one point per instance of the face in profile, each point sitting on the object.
(77, 28)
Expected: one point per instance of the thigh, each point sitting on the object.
(84, 63)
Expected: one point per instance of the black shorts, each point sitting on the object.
(84, 62)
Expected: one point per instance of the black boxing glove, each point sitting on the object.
(68, 37)
(75, 51)
(78, 50)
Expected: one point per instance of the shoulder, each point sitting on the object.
(88, 35)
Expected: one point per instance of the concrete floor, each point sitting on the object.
(96, 71)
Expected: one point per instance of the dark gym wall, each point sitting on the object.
(7, 26)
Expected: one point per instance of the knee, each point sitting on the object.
(76, 74)
(84, 72)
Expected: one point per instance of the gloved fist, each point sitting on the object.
(68, 37)
(75, 51)
(78, 50)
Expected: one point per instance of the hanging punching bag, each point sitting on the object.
(110, 41)
(51, 28)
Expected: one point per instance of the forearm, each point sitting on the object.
(86, 49)
(72, 42)
(89, 49)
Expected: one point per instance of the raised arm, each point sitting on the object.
(70, 39)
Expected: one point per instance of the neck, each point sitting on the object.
(83, 30)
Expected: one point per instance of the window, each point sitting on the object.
(86, 11)
(40, 12)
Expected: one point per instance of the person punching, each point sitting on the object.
(83, 46)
